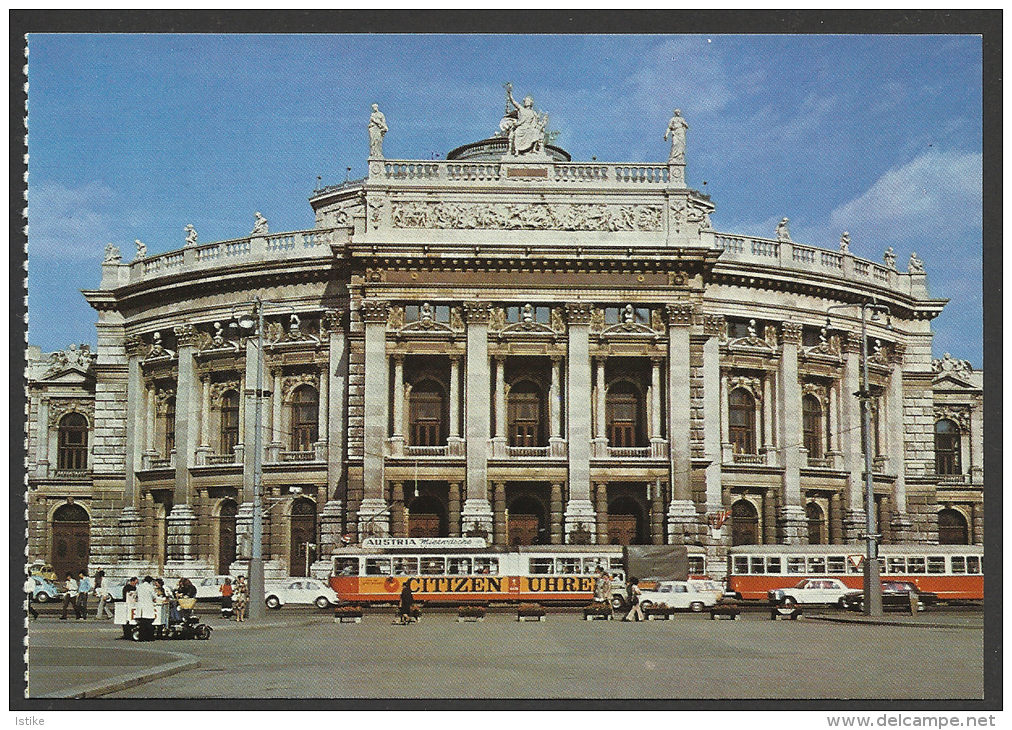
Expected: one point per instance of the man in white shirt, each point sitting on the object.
(146, 607)
(69, 596)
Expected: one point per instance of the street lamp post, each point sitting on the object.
(872, 579)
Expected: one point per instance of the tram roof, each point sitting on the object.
(855, 549)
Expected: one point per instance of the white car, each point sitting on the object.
(302, 591)
(705, 585)
(678, 594)
(811, 591)
(210, 587)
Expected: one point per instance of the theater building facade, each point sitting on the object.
(501, 344)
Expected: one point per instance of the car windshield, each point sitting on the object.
(802, 583)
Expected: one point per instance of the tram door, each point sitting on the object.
(71, 540)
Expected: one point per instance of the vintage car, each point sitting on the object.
(895, 596)
(43, 590)
(681, 594)
(301, 591)
(810, 591)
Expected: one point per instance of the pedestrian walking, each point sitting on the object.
(226, 598)
(407, 602)
(69, 596)
(240, 597)
(84, 588)
(635, 613)
(104, 599)
(29, 594)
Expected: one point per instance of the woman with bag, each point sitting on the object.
(634, 600)
(241, 598)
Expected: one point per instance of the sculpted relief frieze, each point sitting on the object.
(530, 216)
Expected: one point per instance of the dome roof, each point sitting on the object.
(494, 148)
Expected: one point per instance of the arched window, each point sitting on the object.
(952, 528)
(744, 523)
(946, 447)
(524, 414)
(741, 421)
(229, 421)
(170, 425)
(622, 413)
(72, 442)
(426, 407)
(816, 524)
(305, 418)
(811, 414)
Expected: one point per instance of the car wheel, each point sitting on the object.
(42, 598)
(696, 606)
(645, 605)
(273, 603)
(842, 603)
(322, 603)
(790, 602)
(203, 632)
(135, 633)
(617, 603)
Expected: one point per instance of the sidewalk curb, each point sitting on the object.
(115, 684)
(882, 622)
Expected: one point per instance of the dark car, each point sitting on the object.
(895, 596)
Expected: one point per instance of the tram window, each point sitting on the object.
(836, 564)
(741, 564)
(758, 566)
(773, 565)
(541, 565)
(460, 566)
(433, 566)
(796, 565)
(486, 566)
(817, 565)
(897, 565)
(936, 564)
(973, 564)
(567, 566)
(958, 564)
(915, 565)
(345, 566)
(696, 565)
(855, 565)
(377, 566)
(405, 566)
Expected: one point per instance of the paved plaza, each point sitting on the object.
(302, 654)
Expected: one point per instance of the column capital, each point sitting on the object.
(898, 350)
(186, 335)
(791, 333)
(398, 358)
(476, 312)
(714, 325)
(331, 321)
(680, 313)
(374, 311)
(579, 312)
(135, 346)
(850, 343)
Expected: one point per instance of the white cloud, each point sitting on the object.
(68, 222)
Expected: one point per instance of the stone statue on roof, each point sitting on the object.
(783, 230)
(377, 130)
(524, 127)
(260, 226)
(915, 265)
(191, 234)
(676, 128)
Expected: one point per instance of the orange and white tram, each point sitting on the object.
(953, 572)
(462, 572)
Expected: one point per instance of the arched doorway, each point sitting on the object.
(303, 536)
(527, 523)
(625, 522)
(952, 528)
(427, 518)
(744, 523)
(71, 540)
(226, 535)
(816, 524)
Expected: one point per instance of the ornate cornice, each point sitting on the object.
(374, 311)
(60, 408)
(960, 415)
(579, 313)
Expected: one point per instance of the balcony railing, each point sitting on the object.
(528, 452)
(426, 450)
(629, 452)
(72, 473)
(749, 458)
(219, 459)
(290, 456)
(953, 478)
(820, 463)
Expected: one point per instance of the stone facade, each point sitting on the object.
(527, 349)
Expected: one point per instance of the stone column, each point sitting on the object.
(835, 519)
(655, 399)
(373, 515)
(555, 440)
(323, 420)
(42, 437)
(275, 383)
(901, 524)
(335, 373)
(499, 442)
(556, 516)
(187, 404)
(768, 442)
(136, 403)
(681, 510)
(714, 406)
(579, 508)
(398, 523)
(500, 535)
(477, 510)
(454, 442)
(397, 439)
(149, 419)
(977, 440)
(853, 456)
(454, 509)
(601, 502)
(792, 515)
(600, 411)
(725, 428)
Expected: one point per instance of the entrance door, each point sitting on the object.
(303, 533)
(71, 540)
(226, 536)
(427, 518)
(523, 530)
(622, 529)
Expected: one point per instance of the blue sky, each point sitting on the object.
(134, 136)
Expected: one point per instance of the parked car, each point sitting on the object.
(43, 590)
(209, 588)
(707, 585)
(114, 588)
(300, 591)
(895, 595)
(678, 594)
(43, 570)
(810, 591)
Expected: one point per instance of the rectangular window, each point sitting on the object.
(836, 564)
(897, 565)
(486, 566)
(936, 564)
(741, 564)
(973, 565)
(757, 565)
(773, 565)
(915, 565)
(541, 566)
(958, 565)
(816, 565)
(405, 566)
(345, 566)
(568, 566)
(433, 566)
(796, 565)
(460, 566)
(696, 565)
(377, 566)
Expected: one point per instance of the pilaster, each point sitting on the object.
(714, 328)
(789, 412)
(579, 507)
(337, 374)
(374, 316)
(187, 403)
(477, 416)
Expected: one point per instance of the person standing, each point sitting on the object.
(84, 587)
(146, 597)
(69, 596)
(103, 597)
(240, 597)
(226, 598)
(407, 601)
(129, 601)
(29, 594)
(635, 612)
